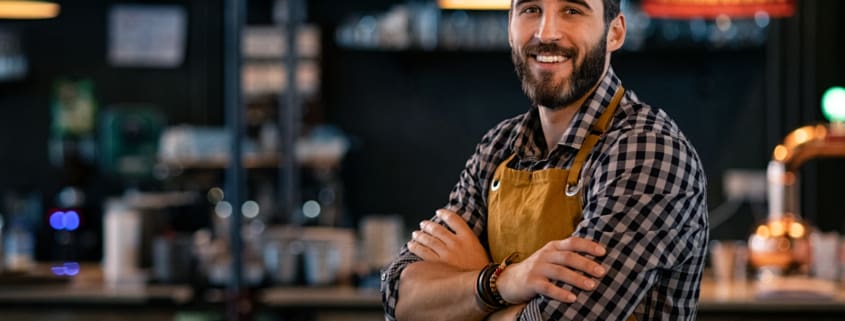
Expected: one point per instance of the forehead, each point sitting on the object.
(594, 4)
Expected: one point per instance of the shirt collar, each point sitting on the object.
(529, 137)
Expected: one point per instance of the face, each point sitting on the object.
(559, 48)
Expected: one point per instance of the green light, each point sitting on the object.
(833, 104)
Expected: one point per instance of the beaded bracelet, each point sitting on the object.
(486, 292)
(483, 294)
(493, 278)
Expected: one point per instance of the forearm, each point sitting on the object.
(507, 314)
(433, 291)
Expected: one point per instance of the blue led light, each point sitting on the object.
(71, 221)
(57, 220)
(58, 270)
(68, 268)
(71, 268)
(64, 220)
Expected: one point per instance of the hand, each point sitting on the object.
(561, 260)
(435, 243)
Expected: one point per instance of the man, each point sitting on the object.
(600, 195)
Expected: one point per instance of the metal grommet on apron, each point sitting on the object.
(572, 190)
(530, 211)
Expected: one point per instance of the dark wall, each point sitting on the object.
(417, 116)
(75, 45)
(821, 29)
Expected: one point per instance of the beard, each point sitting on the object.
(543, 91)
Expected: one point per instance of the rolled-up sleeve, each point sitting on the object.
(646, 203)
(466, 199)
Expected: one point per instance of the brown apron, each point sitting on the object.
(527, 209)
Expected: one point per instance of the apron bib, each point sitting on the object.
(527, 209)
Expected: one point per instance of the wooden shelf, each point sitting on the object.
(249, 161)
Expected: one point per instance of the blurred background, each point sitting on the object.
(116, 134)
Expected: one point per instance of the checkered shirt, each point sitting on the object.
(644, 199)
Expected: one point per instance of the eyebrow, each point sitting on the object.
(578, 2)
(519, 2)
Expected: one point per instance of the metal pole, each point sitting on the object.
(290, 114)
(234, 15)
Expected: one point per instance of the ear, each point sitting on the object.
(616, 33)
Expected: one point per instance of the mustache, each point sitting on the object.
(550, 49)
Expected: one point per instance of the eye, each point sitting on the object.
(572, 11)
(530, 10)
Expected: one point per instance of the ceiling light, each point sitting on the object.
(474, 4)
(28, 9)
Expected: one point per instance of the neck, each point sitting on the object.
(555, 121)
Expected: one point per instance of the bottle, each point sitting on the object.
(121, 245)
(18, 248)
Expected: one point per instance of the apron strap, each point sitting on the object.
(596, 130)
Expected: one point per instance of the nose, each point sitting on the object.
(549, 30)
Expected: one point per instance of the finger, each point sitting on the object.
(438, 231)
(582, 245)
(577, 262)
(422, 251)
(454, 221)
(555, 292)
(569, 276)
(427, 240)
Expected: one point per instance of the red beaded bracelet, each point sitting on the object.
(493, 278)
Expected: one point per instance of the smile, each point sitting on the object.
(550, 59)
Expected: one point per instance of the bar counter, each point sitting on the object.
(733, 301)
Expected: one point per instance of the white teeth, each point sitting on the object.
(550, 58)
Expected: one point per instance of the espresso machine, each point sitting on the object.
(780, 248)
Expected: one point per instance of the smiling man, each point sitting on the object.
(590, 206)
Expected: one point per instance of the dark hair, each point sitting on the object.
(611, 10)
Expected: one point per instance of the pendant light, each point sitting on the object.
(28, 9)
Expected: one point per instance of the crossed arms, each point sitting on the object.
(649, 217)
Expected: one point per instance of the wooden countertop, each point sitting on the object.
(744, 296)
(99, 295)
(714, 297)
(330, 297)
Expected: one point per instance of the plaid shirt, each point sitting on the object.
(644, 199)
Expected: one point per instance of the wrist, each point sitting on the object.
(507, 288)
(487, 285)
(484, 296)
(494, 286)
(510, 313)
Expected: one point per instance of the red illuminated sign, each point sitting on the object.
(708, 9)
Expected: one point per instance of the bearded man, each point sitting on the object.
(589, 206)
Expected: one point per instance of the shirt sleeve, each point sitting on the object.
(645, 202)
(466, 199)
